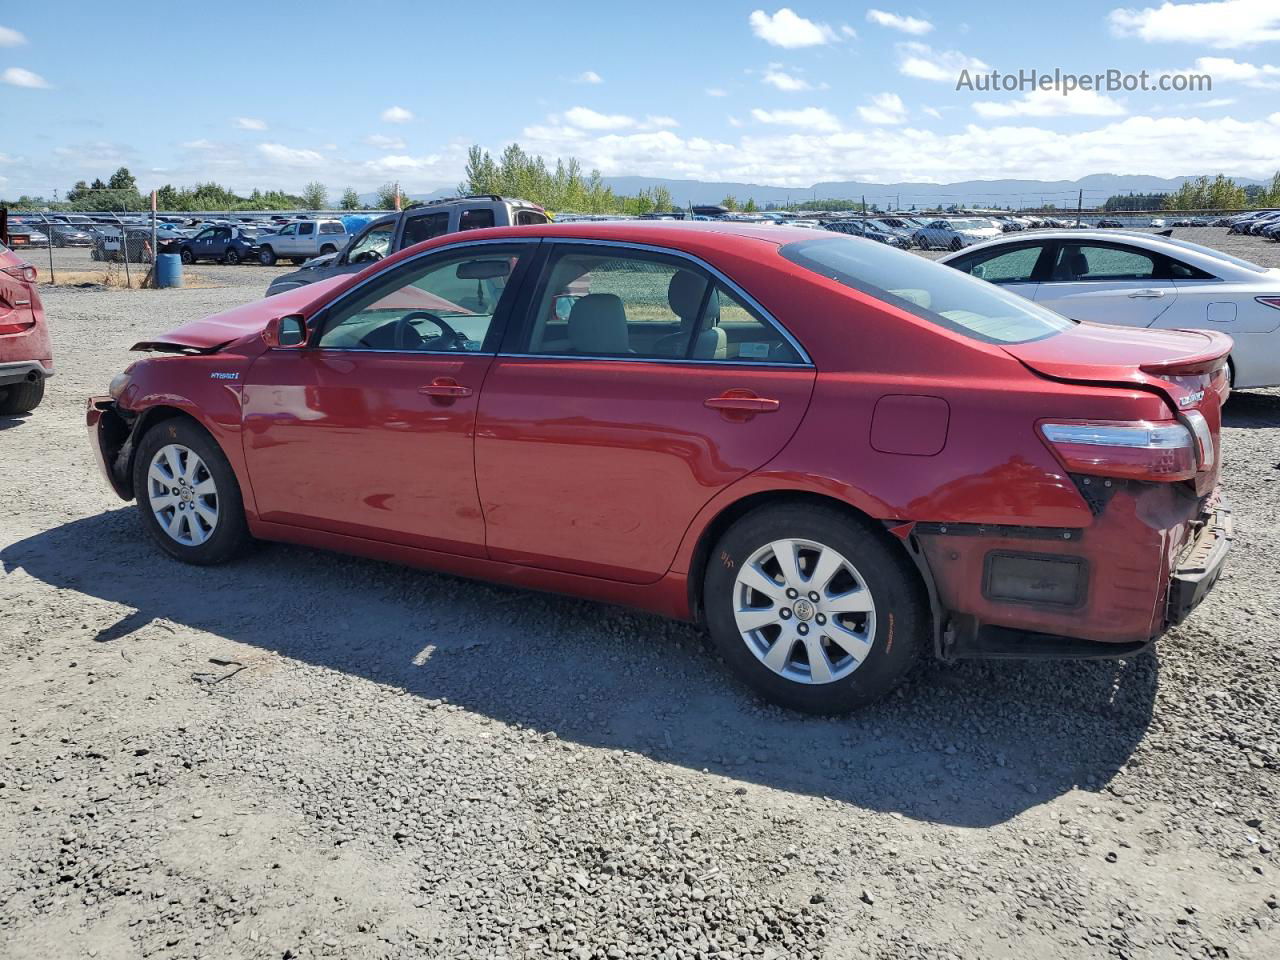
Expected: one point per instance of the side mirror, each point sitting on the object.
(288, 333)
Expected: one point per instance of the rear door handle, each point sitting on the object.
(742, 404)
(1146, 293)
(445, 387)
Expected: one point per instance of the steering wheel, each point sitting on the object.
(407, 337)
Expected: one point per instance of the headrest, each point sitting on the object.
(598, 324)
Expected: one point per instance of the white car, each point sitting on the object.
(1143, 280)
(952, 234)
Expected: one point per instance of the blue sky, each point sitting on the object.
(273, 95)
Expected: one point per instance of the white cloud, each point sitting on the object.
(655, 122)
(787, 29)
(383, 142)
(776, 76)
(11, 38)
(923, 62)
(932, 111)
(18, 77)
(1051, 103)
(1219, 102)
(716, 92)
(396, 115)
(250, 123)
(734, 121)
(589, 76)
(1227, 70)
(847, 30)
(809, 118)
(885, 108)
(893, 21)
(201, 144)
(291, 156)
(1225, 24)
(589, 119)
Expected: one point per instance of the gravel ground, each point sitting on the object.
(308, 755)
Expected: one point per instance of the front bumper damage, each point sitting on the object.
(111, 436)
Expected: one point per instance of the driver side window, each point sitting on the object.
(444, 305)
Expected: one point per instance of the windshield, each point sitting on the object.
(936, 293)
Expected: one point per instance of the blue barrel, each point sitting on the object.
(168, 270)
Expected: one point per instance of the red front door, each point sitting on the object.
(347, 442)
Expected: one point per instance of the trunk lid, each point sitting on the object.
(211, 334)
(1187, 367)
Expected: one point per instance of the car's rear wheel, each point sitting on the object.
(233, 257)
(267, 257)
(21, 397)
(327, 249)
(188, 256)
(188, 495)
(813, 609)
(956, 244)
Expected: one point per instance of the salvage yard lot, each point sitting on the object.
(308, 755)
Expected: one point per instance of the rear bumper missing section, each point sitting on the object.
(1199, 566)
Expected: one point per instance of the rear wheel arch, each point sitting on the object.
(733, 512)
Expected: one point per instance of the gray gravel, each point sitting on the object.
(309, 755)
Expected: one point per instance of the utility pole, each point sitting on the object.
(1079, 206)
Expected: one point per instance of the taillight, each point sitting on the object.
(1269, 301)
(1138, 450)
(22, 271)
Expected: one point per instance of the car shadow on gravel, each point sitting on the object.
(1260, 409)
(969, 744)
(8, 422)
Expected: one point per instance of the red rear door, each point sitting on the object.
(636, 388)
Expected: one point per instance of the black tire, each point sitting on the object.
(901, 621)
(955, 244)
(232, 257)
(297, 261)
(230, 534)
(267, 257)
(21, 397)
(327, 249)
(187, 256)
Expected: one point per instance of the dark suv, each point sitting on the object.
(385, 235)
(223, 244)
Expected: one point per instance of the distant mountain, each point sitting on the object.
(965, 193)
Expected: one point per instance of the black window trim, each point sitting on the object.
(497, 326)
(516, 331)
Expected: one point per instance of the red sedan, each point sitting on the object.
(26, 355)
(835, 455)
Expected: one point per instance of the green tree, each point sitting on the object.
(122, 179)
(350, 199)
(315, 196)
(387, 194)
(730, 203)
(750, 206)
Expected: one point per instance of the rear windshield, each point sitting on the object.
(1216, 254)
(936, 293)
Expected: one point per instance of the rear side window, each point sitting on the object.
(331, 228)
(526, 217)
(306, 229)
(1084, 261)
(937, 293)
(475, 219)
(425, 227)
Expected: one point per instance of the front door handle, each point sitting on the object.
(1146, 293)
(742, 402)
(445, 388)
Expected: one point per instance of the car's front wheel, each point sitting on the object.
(267, 257)
(187, 256)
(233, 256)
(813, 609)
(187, 493)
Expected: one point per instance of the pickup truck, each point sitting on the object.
(301, 240)
(395, 231)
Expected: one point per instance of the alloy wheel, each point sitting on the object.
(182, 495)
(804, 611)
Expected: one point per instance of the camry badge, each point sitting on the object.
(1191, 398)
